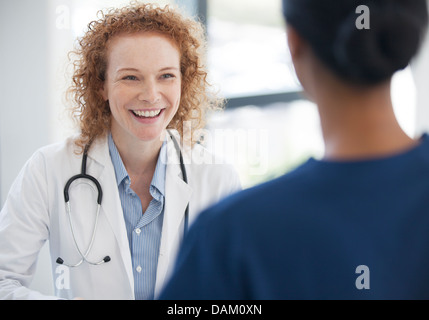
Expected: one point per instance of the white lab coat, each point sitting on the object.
(35, 212)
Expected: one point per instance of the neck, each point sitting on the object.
(360, 123)
(139, 157)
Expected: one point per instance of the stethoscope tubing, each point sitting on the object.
(185, 179)
(84, 256)
(83, 175)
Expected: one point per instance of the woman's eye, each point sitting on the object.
(130, 78)
(167, 76)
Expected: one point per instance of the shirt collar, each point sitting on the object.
(120, 171)
(158, 180)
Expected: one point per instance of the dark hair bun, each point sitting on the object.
(365, 56)
(374, 55)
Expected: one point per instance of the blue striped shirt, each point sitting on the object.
(143, 229)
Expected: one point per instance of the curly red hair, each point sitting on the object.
(93, 112)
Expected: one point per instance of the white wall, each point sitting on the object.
(24, 96)
(421, 77)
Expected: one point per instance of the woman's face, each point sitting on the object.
(142, 85)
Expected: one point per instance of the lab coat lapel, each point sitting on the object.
(111, 203)
(177, 196)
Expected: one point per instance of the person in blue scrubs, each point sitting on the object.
(354, 224)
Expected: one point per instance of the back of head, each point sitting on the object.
(359, 55)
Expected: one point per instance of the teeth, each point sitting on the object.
(148, 114)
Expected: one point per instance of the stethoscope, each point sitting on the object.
(84, 175)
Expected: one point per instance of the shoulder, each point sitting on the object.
(199, 155)
(269, 199)
(46, 163)
(66, 146)
(211, 178)
(57, 154)
(205, 164)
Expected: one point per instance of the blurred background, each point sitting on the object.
(266, 129)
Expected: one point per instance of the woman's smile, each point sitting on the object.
(147, 116)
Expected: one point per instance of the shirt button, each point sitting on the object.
(139, 269)
(138, 231)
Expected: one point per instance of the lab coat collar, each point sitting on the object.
(177, 197)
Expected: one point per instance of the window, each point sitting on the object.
(247, 48)
(267, 128)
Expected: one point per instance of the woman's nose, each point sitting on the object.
(150, 92)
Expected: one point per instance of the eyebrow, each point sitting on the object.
(136, 70)
(169, 68)
(126, 69)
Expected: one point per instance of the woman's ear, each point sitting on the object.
(295, 42)
(301, 57)
(103, 92)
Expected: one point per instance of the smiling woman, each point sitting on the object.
(92, 63)
(139, 76)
